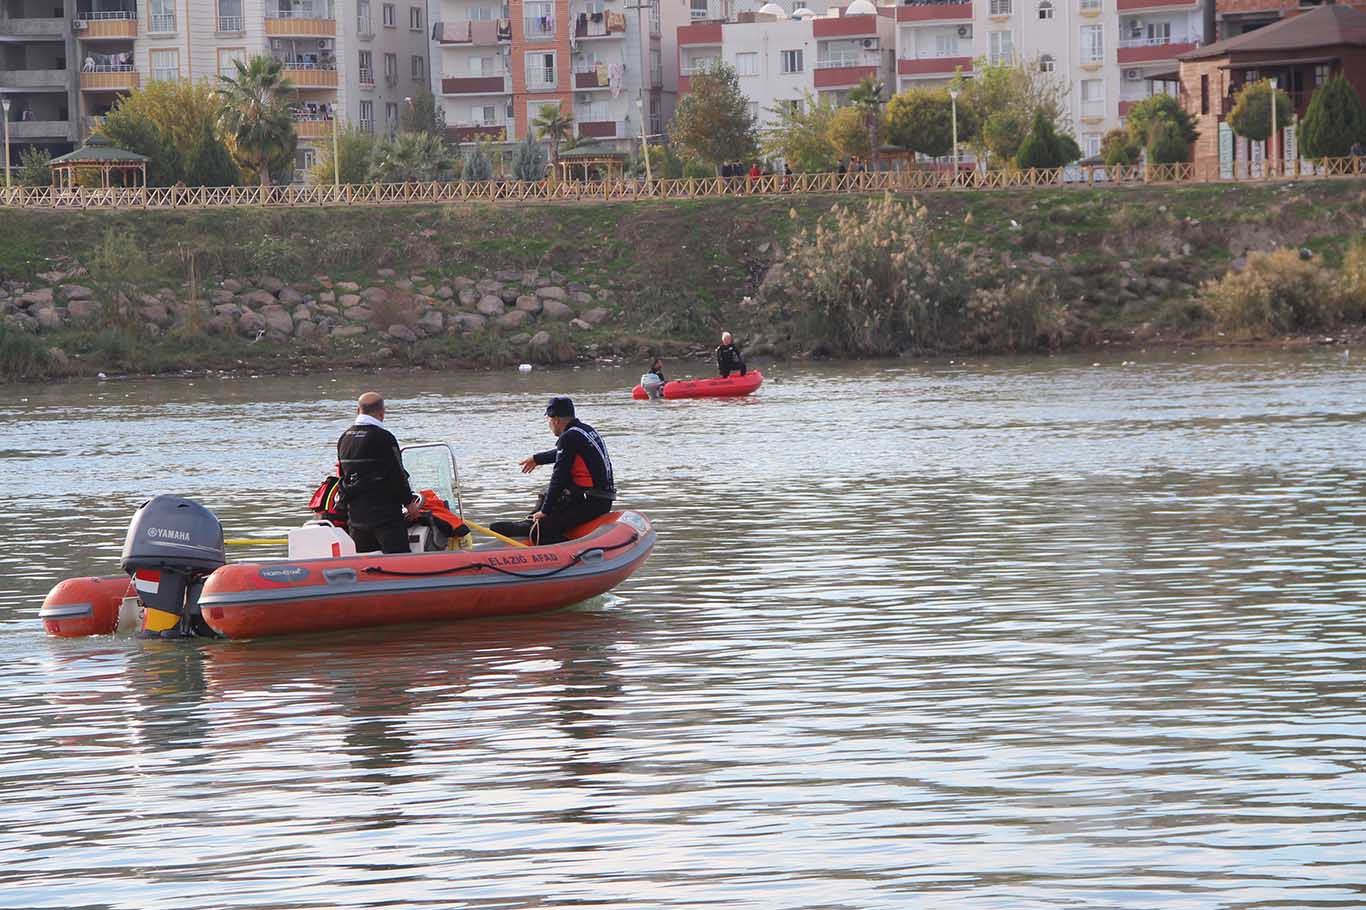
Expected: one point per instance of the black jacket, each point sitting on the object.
(373, 480)
(578, 440)
(728, 358)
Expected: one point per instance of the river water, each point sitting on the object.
(1022, 633)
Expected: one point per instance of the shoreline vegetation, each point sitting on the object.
(485, 286)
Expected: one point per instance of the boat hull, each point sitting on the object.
(85, 606)
(713, 387)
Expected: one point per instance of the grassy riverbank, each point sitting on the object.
(1126, 263)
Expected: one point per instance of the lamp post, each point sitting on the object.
(953, 106)
(336, 158)
(644, 147)
(5, 104)
(1271, 140)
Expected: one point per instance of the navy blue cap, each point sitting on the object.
(560, 406)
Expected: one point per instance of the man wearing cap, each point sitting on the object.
(374, 484)
(581, 486)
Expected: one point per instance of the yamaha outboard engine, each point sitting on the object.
(653, 385)
(173, 544)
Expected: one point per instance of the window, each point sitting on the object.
(1159, 33)
(1090, 6)
(1322, 73)
(367, 68)
(482, 66)
(540, 71)
(226, 57)
(391, 68)
(698, 9)
(1046, 63)
(161, 16)
(1000, 7)
(230, 16)
(479, 13)
(656, 69)
(488, 115)
(1204, 93)
(792, 61)
(752, 108)
(367, 116)
(946, 45)
(1092, 44)
(1001, 50)
(363, 18)
(1045, 10)
(415, 18)
(793, 106)
(419, 68)
(747, 64)
(597, 112)
(165, 65)
(1093, 97)
(655, 123)
(391, 117)
(654, 17)
(390, 15)
(1090, 145)
(540, 20)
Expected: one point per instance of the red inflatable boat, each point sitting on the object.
(280, 597)
(715, 387)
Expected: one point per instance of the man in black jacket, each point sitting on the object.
(728, 356)
(379, 502)
(581, 486)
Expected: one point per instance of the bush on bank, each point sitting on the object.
(1288, 291)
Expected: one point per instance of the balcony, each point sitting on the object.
(950, 11)
(116, 24)
(700, 33)
(477, 132)
(539, 28)
(285, 23)
(845, 27)
(33, 29)
(40, 130)
(110, 78)
(1147, 50)
(35, 79)
(312, 126)
(932, 67)
(600, 129)
(231, 25)
(842, 76)
(161, 24)
(475, 85)
(588, 77)
(1135, 6)
(306, 74)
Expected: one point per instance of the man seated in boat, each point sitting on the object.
(728, 356)
(653, 380)
(581, 486)
(379, 502)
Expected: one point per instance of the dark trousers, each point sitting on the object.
(572, 511)
(390, 537)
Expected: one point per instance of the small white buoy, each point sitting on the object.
(524, 368)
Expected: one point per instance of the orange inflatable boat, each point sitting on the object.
(715, 387)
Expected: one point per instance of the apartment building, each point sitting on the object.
(1238, 17)
(502, 61)
(783, 53)
(73, 65)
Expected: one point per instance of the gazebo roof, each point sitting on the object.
(593, 151)
(99, 150)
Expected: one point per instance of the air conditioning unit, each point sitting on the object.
(325, 44)
(870, 44)
(1135, 22)
(585, 98)
(79, 25)
(965, 31)
(1132, 74)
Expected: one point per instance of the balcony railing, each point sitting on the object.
(539, 27)
(162, 23)
(303, 12)
(363, 26)
(698, 67)
(601, 129)
(231, 24)
(105, 15)
(541, 82)
(32, 28)
(1156, 41)
(367, 76)
(847, 59)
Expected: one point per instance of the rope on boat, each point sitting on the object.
(578, 557)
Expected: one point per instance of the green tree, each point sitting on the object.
(849, 134)
(712, 122)
(1333, 121)
(175, 124)
(411, 158)
(528, 161)
(1002, 134)
(478, 165)
(355, 147)
(1041, 148)
(1159, 109)
(868, 98)
(34, 167)
(257, 115)
(1251, 114)
(1117, 149)
(1167, 144)
(422, 113)
(802, 136)
(555, 125)
(1012, 93)
(921, 119)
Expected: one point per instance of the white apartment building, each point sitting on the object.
(502, 61)
(1109, 53)
(781, 54)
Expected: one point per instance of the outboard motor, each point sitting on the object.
(652, 384)
(173, 544)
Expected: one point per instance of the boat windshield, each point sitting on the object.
(431, 466)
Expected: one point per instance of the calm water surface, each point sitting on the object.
(1006, 634)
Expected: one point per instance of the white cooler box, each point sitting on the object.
(320, 540)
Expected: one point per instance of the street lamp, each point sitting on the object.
(1271, 140)
(953, 105)
(644, 147)
(336, 158)
(5, 104)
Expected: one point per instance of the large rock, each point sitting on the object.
(157, 313)
(514, 319)
(404, 284)
(529, 303)
(301, 312)
(72, 292)
(556, 311)
(327, 297)
(348, 331)
(277, 320)
(221, 295)
(583, 298)
(250, 324)
(228, 310)
(489, 286)
(48, 318)
(469, 297)
(462, 283)
(504, 275)
(580, 325)
(358, 313)
(551, 292)
(445, 292)
(260, 298)
(509, 295)
(402, 333)
(432, 322)
(375, 295)
(349, 300)
(270, 283)
(594, 316)
(386, 273)
(36, 297)
(232, 285)
(540, 341)
(468, 322)
(220, 325)
(82, 310)
(490, 305)
(289, 297)
(347, 287)
(305, 328)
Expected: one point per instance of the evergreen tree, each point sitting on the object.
(1333, 121)
(528, 161)
(1041, 148)
(1167, 144)
(478, 166)
(1251, 114)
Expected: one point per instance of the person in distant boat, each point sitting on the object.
(657, 367)
(653, 380)
(581, 485)
(728, 357)
(379, 501)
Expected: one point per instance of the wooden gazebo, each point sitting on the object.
(584, 158)
(99, 156)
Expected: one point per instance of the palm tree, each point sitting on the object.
(257, 115)
(553, 124)
(867, 97)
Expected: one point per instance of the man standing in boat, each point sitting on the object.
(379, 502)
(728, 356)
(581, 486)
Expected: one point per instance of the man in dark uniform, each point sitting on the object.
(728, 356)
(374, 484)
(581, 486)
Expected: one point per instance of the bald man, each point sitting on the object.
(728, 356)
(379, 502)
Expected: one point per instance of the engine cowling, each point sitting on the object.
(172, 545)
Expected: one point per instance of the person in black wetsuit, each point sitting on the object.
(728, 356)
(379, 502)
(581, 486)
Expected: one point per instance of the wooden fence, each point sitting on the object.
(905, 181)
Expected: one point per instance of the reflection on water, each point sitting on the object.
(1008, 634)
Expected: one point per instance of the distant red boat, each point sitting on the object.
(715, 387)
